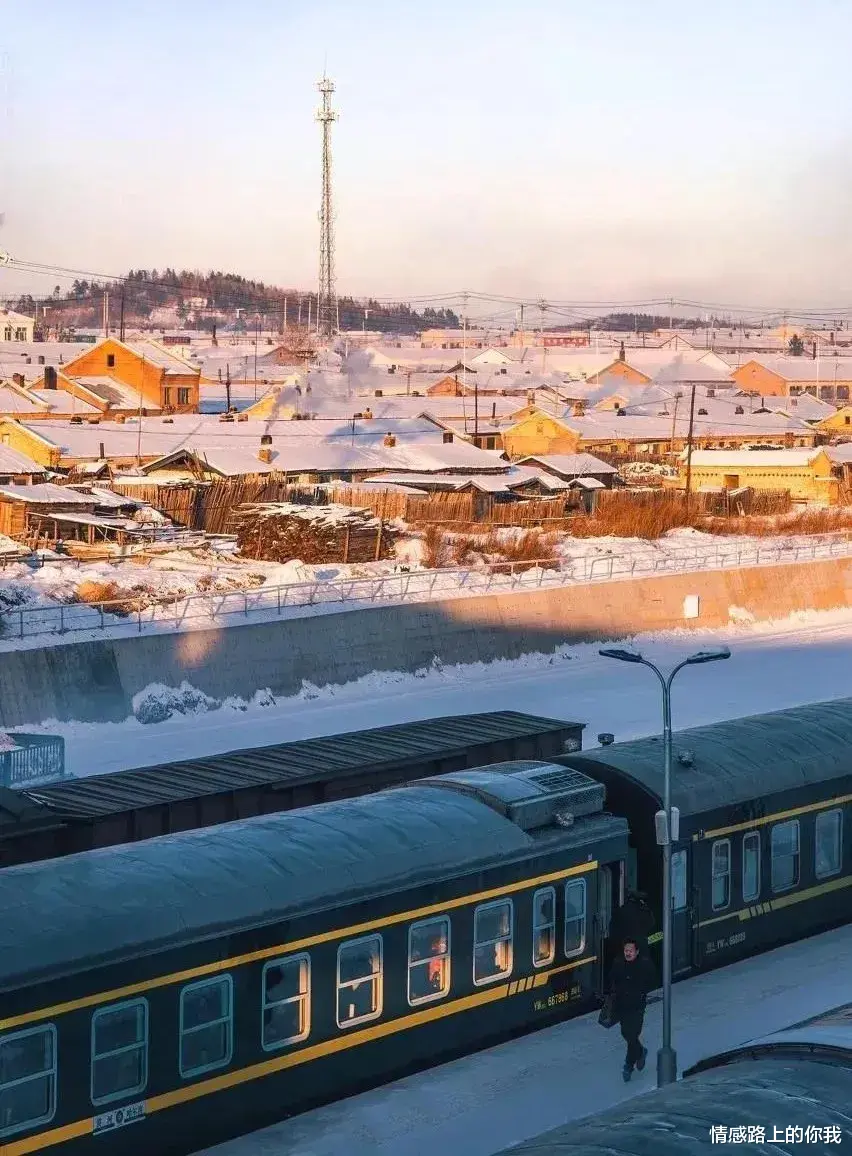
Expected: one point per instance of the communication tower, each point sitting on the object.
(326, 300)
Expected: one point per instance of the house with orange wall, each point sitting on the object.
(127, 376)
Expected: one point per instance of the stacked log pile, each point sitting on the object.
(315, 535)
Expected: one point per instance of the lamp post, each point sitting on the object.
(666, 1056)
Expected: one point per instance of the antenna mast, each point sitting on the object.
(326, 303)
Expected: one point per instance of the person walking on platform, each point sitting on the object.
(631, 979)
(634, 920)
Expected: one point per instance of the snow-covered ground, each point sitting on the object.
(486, 1102)
(181, 590)
(801, 659)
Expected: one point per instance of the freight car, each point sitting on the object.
(103, 810)
(789, 1090)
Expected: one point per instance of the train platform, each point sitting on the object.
(485, 1102)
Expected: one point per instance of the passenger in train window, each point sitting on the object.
(633, 921)
(631, 979)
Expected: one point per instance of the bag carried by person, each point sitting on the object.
(607, 1017)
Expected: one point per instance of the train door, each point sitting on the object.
(609, 887)
(681, 913)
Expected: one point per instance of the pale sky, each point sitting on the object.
(603, 150)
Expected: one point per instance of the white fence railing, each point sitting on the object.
(402, 587)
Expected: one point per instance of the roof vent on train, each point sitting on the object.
(531, 794)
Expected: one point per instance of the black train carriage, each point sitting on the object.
(787, 1092)
(197, 986)
(765, 848)
(126, 806)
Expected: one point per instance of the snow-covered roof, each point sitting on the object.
(115, 393)
(46, 493)
(821, 370)
(512, 477)
(13, 401)
(743, 458)
(61, 401)
(13, 462)
(162, 357)
(161, 436)
(596, 425)
(841, 455)
(587, 483)
(803, 405)
(571, 465)
(228, 463)
(11, 315)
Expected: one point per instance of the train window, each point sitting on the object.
(428, 960)
(575, 916)
(678, 880)
(492, 941)
(544, 926)
(751, 866)
(286, 1001)
(27, 1079)
(206, 1026)
(359, 980)
(785, 855)
(119, 1051)
(720, 890)
(828, 843)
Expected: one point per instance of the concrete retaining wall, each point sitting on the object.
(96, 681)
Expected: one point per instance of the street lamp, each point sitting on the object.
(666, 1056)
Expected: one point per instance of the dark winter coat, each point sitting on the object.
(630, 983)
(634, 921)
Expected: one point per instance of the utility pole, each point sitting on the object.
(677, 398)
(299, 322)
(464, 352)
(227, 387)
(106, 313)
(256, 336)
(309, 310)
(326, 301)
(121, 322)
(689, 448)
(139, 418)
(284, 325)
(671, 313)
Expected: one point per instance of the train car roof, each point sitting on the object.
(106, 905)
(827, 1037)
(734, 762)
(304, 760)
(676, 1120)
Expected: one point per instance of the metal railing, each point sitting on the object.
(38, 759)
(404, 586)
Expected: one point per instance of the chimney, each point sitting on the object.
(265, 452)
(389, 440)
(101, 452)
(49, 377)
(813, 352)
(377, 393)
(18, 379)
(41, 359)
(578, 409)
(368, 414)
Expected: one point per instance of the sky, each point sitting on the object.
(612, 151)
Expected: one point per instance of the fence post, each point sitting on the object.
(61, 618)
(21, 617)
